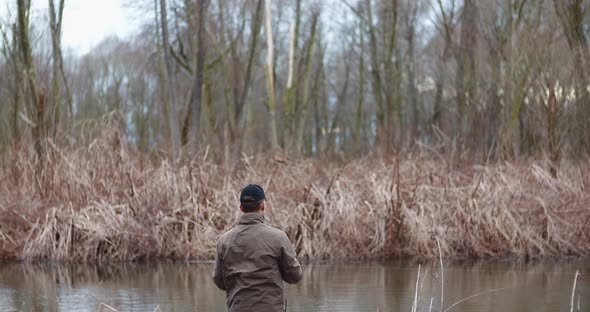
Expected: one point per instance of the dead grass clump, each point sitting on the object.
(104, 201)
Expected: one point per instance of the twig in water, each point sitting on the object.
(158, 307)
(431, 299)
(473, 296)
(574, 291)
(88, 293)
(442, 276)
(415, 304)
(102, 306)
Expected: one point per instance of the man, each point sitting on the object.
(253, 259)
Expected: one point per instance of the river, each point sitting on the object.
(542, 286)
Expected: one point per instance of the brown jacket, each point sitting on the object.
(253, 259)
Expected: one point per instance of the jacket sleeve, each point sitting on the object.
(288, 264)
(217, 272)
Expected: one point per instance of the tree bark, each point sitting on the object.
(376, 78)
(274, 142)
(571, 14)
(302, 116)
(552, 114)
(448, 25)
(361, 95)
(37, 100)
(465, 79)
(254, 32)
(393, 88)
(413, 92)
(163, 90)
(198, 84)
(10, 52)
(170, 79)
(341, 104)
(55, 22)
(291, 93)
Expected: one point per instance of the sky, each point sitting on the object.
(86, 22)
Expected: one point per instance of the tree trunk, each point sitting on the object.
(289, 94)
(465, 80)
(163, 89)
(393, 88)
(571, 14)
(274, 143)
(254, 32)
(55, 22)
(413, 92)
(552, 114)
(494, 105)
(198, 84)
(359, 105)
(37, 100)
(210, 110)
(18, 80)
(341, 104)
(302, 116)
(292, 94)
(376, 78)
(448, 21)
(170, 79)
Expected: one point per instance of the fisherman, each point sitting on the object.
(253, 259)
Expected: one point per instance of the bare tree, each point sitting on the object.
(252, 48)
(270, 76)
(37, 100)
(170, 79)
(200, 64)
(571, 13)
(302, 113)
(55, 25)
(376, 76)
(410, 64)
(446, 28)
(466, 72)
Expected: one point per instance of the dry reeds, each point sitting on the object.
(105, 201)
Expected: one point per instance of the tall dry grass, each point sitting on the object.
(105, 201)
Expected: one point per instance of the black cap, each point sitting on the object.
(252, 193)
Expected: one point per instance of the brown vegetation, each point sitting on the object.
(105, 201)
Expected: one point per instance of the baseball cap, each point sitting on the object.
(252, 193)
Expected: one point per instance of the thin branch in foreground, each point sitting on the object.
(574, 291)
(442, 276)
(415, 303)
(473, 296)
(102, 307)
(88, 293)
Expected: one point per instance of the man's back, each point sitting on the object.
(252, 261)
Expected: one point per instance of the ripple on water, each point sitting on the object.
(539, 286)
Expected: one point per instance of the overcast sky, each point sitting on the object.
(86, 22)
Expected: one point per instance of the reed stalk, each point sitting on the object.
(415, 303)
(574, 291)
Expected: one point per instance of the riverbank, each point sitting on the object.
(104, 202)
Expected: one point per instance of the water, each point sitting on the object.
(533, 286)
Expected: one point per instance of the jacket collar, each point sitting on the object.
(251, 218)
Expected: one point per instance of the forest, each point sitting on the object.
(455, 121)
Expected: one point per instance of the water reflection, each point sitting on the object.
(532, 286)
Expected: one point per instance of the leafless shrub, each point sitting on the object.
(104, 201)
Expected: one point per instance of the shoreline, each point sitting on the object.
(331, 262)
